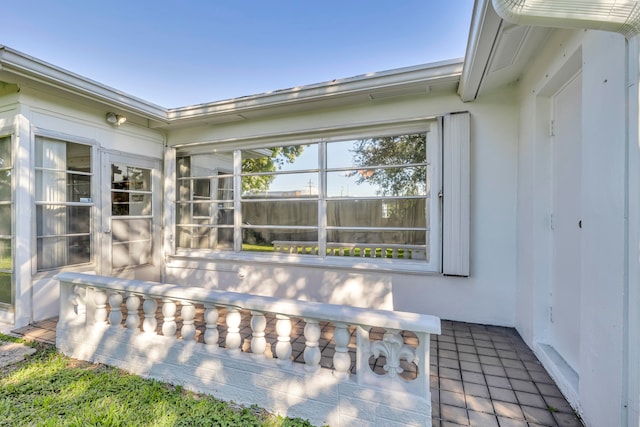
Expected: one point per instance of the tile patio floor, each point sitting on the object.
(482, 376)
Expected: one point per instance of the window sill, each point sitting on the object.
(185, 257)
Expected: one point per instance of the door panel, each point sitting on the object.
(566, 222)
(131, 217)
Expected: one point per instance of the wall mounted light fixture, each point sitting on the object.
(115, 119)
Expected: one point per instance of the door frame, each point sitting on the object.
(564, 230)
(152, 271)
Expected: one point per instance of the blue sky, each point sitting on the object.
(178, 53)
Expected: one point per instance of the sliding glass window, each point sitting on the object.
(63, 203)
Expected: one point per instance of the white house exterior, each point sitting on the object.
(531, 219)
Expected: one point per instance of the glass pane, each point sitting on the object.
(79, 249)
(6, 262)
(5, 152)
(201, 189)
(6, 219)
(58, 220)
(402, 181)
(184, 189)
(125, 177)
(51, 220)
(270, 240)
(302, 185)
(5, 288)
(281, 212)
(62, 156)
(78, 157)
(79, 188)
(51, 186)
(183, 167)
(205, 238)
(391, 150)
(5, 186)
(58, 251)
(409, 213)
(130, 204)
(183, 213)
(285, 158)
(79, 219)
(378, 244)
(207, 165)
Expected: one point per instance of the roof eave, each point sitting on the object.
(27, 68)
(485, 28)
(385, 82)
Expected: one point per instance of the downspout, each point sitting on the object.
(621, 16)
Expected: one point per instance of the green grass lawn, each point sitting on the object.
(49, 389)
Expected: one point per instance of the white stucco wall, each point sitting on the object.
(600, 307)
(487, 296)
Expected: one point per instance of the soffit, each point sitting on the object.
(498, 52)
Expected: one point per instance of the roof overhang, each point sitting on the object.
(416, 80)
(17, 67)
(505, 34)
(621, 16)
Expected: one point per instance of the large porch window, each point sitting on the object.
(63, 203)
(362, 196)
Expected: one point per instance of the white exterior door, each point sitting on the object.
(566, 222)
(130, 217)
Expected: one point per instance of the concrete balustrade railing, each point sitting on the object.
(92, 326)
(363, 250)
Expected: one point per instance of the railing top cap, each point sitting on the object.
(414, 322)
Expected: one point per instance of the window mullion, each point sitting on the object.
(322, 199)
(237, 213)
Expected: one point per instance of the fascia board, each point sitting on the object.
(32, 69)
(485, 28)
(429, 74)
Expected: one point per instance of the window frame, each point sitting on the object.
(8, 133)
(94, 188)
(432, 126)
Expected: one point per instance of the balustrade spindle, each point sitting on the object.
(149, 323)
(169, 326)
(258, 341)
(233, 340)
(188, 313)
(312, 353)
(341, 358)
(283, 346)
(115, 303)
(211, 334)
(100, 299)
(80, 294)
(133, 318)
